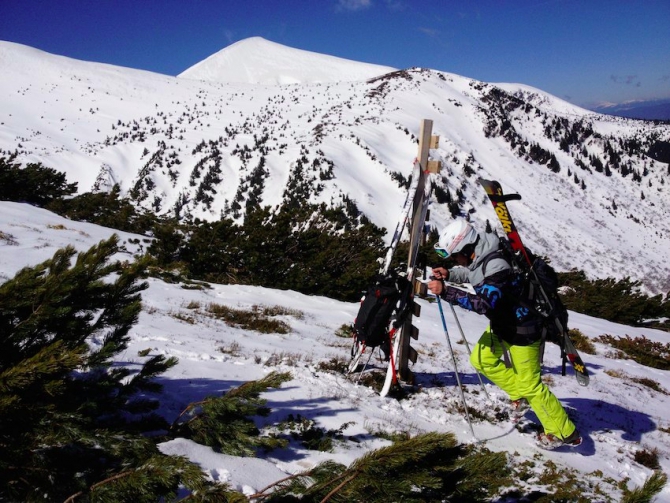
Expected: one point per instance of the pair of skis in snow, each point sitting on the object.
(421, 200)
(359, 348)
(418, 198)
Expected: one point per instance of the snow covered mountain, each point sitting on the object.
(257, 114)
(259, 61)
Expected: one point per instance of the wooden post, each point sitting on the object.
(407, 353)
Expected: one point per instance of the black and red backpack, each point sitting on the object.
(377, 309)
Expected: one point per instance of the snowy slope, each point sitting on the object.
(259, 61)
(197, 146)
(617, 416)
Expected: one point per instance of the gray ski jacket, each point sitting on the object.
(498, 292)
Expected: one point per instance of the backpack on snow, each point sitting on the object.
(377, 308)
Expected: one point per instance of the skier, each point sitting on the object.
(508, 353)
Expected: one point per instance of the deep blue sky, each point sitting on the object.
(585, 51)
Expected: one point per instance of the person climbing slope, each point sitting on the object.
(508, 352)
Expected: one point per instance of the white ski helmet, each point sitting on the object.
(454, 237)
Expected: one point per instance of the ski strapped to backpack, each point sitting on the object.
(541, 277)
(531, 298)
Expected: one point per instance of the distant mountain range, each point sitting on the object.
(650, 110)
(258, 123)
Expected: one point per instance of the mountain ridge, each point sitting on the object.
(201, 149)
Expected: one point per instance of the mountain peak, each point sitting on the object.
(256, 60)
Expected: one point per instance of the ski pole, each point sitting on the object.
(356, 355)
(467, 345)
(365, 365)
(453, 357)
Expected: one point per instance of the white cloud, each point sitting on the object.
(431, 32)
(353, 5)
(395, 5)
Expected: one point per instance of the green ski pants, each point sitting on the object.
(522, 380)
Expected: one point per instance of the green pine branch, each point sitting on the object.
(71, 424)
(226, 422)
(645, 494)
(428, 467)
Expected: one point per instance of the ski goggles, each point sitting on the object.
(441, 252)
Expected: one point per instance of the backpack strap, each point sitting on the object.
(506, 359)
(505, 353)
(490, 256)
(543, 340)
(495, 254)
